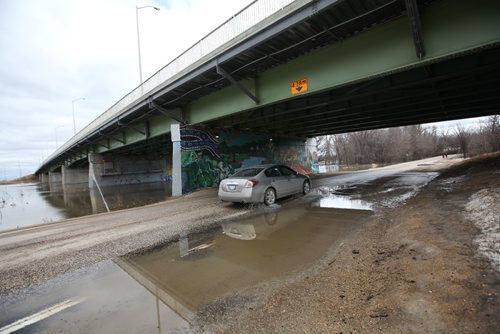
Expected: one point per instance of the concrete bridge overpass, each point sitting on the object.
(280, 72)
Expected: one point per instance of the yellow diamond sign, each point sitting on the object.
(299, 86)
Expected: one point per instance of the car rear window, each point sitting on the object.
(273, 172)
(248, 172)
(285, 171)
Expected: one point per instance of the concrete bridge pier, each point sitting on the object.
(55, 177)
(176, 160)
(96, 201)
(55, 180)
(74, 176)
(113, 170)
(44, 177)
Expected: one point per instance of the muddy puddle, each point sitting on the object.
(161, 290)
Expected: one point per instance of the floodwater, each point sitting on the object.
(329, 199)
(161, 290)
(23, 205)
(164, 289)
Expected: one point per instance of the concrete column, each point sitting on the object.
(45, 186)
(96, 167)
(96, 201)
(112, 170)
(55, 177)
(175, 133)
(71, 176)
(45, 178)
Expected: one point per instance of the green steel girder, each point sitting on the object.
(399, 98)
(124, 137)
(451, 28)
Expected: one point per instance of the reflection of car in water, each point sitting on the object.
(205, 266)
(263, 184)
(262, 226)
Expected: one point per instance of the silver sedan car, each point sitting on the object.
(263, 184)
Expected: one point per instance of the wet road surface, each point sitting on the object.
(162, 289)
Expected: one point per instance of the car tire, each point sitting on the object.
(269, 196)
(306, 187)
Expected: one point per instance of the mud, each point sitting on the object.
(414, 268)
(400, 249)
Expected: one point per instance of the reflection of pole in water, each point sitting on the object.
(183, 244)
(158, 313)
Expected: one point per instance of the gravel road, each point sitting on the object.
(32, 255)
(414, 267)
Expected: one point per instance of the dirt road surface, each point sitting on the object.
(413, 269)
(33, 255)
(427, 264)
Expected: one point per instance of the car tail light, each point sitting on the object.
(251, 183)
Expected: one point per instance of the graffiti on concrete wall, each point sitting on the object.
(202, 164)
(207, 159)
(197, 140)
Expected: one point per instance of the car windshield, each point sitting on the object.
(248, 172)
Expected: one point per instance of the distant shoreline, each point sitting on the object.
(24, 179)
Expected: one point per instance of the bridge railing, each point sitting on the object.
(248, 17)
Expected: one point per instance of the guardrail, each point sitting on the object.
(251, 15)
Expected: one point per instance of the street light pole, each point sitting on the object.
(138, 36)
(73, 104)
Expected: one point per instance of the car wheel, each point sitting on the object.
(306, 188)
(269, 196)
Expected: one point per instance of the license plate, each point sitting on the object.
(231, 187)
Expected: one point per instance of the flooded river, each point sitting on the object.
(23, 205)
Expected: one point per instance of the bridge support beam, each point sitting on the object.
(55, 177)
(72, 176)
(176, 160)
(96, 167)
(44, 178)
(114, 170)
(96, 201)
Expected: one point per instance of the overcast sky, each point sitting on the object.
(55, 51)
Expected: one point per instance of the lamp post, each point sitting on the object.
(73, 104)
(138, 36)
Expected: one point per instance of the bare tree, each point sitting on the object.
(400, 144)
(326, 148)
(341, 142)
(463, 138)
(493, 133)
